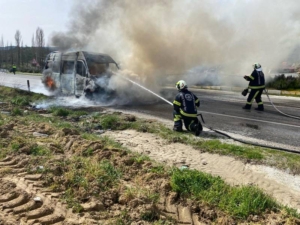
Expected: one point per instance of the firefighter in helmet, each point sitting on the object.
(185, 108)
(257, 85)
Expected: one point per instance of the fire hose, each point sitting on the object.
(295, 117)
(255, 144)
(245, 92)
(247, 142)
(222, 133)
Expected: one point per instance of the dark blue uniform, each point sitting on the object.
(257, 85)
(185, 107)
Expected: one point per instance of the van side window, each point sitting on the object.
(56, 66)
(68, 67)
(80, 68)
(47, 61)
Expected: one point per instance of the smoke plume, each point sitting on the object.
(162, 40)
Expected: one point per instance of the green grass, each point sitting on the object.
(114, 122)
(91, 137)
(140, 159)
(72, 201)
(21, 100)
(212, 146)
(82, 172)
(150, 215)
(39, 151)
(216, 146)
(110, 143)
(239, 202)
(247, 153)
(159, 169)
(16, 111)
(18, 96)
(59, 111)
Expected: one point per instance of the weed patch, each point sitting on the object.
(16, 112)
(39, 150)
(20, 100)
(150, 215)
(240, 202)
(59, 111)
(86, 172)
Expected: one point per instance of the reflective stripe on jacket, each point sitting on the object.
(257, 79)
(186, 103)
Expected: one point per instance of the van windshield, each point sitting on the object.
(99, 64)
(97, 68)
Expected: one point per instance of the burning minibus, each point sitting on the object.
(78, 73)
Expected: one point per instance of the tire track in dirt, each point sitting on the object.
(24, 201)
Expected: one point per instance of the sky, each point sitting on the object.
(27, 15)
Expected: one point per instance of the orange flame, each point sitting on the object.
(50, 82)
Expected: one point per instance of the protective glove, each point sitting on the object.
(245, 92)
(247, 78)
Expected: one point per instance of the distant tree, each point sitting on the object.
(18, 39)
(1, 51)
(40, 43)
(33, 50)
(6, 54)
(32, 41)
(40, 37)
(22, 54)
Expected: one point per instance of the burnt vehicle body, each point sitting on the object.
(78, 73)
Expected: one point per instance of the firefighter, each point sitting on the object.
(257, 85)
(14, 69)
(185, 108)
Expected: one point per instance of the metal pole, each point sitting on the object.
(28, 85)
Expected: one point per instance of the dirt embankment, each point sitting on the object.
(42, 180)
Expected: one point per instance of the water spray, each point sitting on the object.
(147, 90)
(210, 128)
(170, 103)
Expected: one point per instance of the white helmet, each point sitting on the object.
(256, 65)
(181, 85)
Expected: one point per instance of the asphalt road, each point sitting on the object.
(221, 110)
(20, 81)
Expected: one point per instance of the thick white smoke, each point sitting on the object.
(179, 38)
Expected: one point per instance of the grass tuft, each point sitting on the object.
(39, 150)
(16, 112)
(59, 111)
(21, 100)
(240, 202)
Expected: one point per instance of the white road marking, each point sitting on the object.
(283, 124)
(266, 103)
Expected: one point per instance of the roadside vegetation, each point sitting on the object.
(283, 82)
(82, 166)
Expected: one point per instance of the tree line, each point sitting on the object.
(27, 59)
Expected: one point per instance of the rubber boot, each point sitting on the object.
(178, 129)
(247, 106)
(260, 108)
(197, 128)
